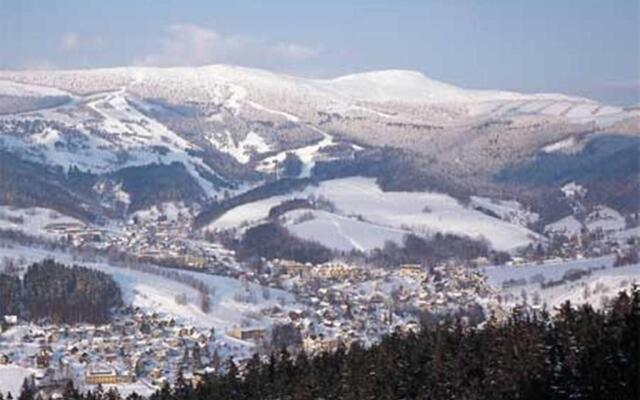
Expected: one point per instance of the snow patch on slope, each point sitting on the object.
(340, 232)
(306, 154)
(605, 218)
(563, 144)
(9, 88)
(242, 150)
(568, 225)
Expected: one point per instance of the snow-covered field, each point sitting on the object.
(603, 218)
(604, 282)
(342, 233)
(507, 210)
(594, 289)
(360, 199)
(34, 220)
(12, 377)
(8, 88)
(626, 234)
(551, 270)
(568, 225)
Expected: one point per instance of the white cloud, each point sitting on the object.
(72, 41)
(187, 44)
(294, 51)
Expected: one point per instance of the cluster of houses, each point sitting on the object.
(147, 239)
(134, 347)
(336, 304)
(342, 304)
(586, 243)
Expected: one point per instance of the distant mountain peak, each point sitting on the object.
(396, 85)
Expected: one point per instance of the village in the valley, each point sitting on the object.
(280, 303)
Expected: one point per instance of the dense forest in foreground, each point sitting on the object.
(579, 353)
(58, 293)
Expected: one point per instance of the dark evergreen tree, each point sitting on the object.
(28, 390)
(68, 294)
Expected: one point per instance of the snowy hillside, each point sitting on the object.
(36, 221)
(155, 293)
(237, 88)
(9, 88)
(530, 283)
(225, 129)
(340, 232)
(221, 100)
(363, 210)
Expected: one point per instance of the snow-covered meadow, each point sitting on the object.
(34, 221)
(363, 210)
(523, 282)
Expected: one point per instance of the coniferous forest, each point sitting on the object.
(49, 290)
(579, 353)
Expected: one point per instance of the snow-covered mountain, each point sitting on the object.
(225, 129)
(296, 99)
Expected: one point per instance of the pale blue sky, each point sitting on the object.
(584, 47)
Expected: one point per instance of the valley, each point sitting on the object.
(241, 211)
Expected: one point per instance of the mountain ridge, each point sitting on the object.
(401, 76)
(234, 128)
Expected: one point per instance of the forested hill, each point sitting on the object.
(60, 294)
(577, 354)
